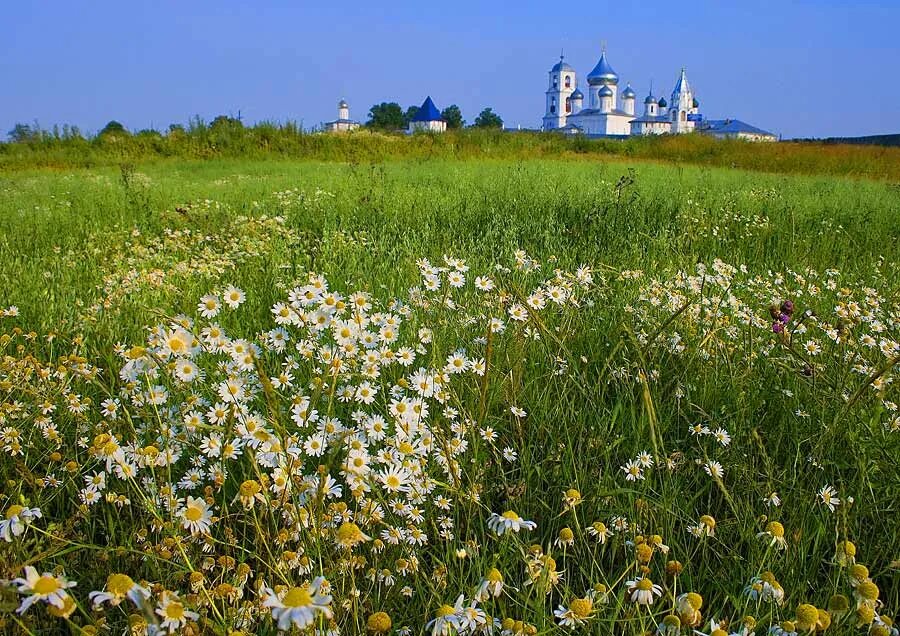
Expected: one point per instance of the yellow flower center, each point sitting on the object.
(695, 600)
(14, 510)
(46, 585)
(175, 611)
(807, 614)
(193, 513)
(848, 548)
(119, 584)
(297, 597)
(494, 576)
(566, 534)
(645, 585)
(867, 590)
(349, 534)
(250, 488)
(406, 448)
(775, 529)
(446, 610)
(512, 516)
(379, 622)
(581, 607)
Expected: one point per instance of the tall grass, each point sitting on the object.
(269, 141)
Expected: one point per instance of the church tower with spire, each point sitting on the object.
(561, 86)
(682, 106)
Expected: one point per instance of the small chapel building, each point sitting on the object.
(427, 119)
(343, 123)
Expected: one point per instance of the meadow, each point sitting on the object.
(424, 395)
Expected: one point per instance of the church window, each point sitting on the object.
(555, 82)
(568, 81)
(683, 116)
(553, 110)
(568, 105)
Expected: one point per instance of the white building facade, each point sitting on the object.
(608, 112)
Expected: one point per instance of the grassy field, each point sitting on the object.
(228, 378)
(232, 140)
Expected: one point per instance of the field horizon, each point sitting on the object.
(229, 139)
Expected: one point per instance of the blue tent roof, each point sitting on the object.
(427, 111)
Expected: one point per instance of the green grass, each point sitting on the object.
(267, 141)
(95, 256)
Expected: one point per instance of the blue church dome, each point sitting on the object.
(650, 99)
(603, 73)
(577, 94)
(606, 91)
(628, 92)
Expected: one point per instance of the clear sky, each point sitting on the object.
(798, 68)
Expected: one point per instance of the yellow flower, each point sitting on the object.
(379, 623)
(349, 535)
(581, 607)
(845, 553)
(807, 616)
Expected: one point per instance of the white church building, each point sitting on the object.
(343, 123)
(609, 113)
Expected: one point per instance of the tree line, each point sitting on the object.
(386, 116)
(391, 116)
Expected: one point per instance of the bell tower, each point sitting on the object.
(561, 85)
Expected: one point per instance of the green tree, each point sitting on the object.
(386, 116)
(453, 116)
(23, 133)
(113, 128)
(409, 114)
(488, 119)
(223, 122)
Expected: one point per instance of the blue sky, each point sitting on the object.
(797, 68)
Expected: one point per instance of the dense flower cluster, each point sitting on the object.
(360, 453)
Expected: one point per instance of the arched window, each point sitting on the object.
(568, 81)
(683, 116)
(553, 110)
(568, 105)
(555, 82)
